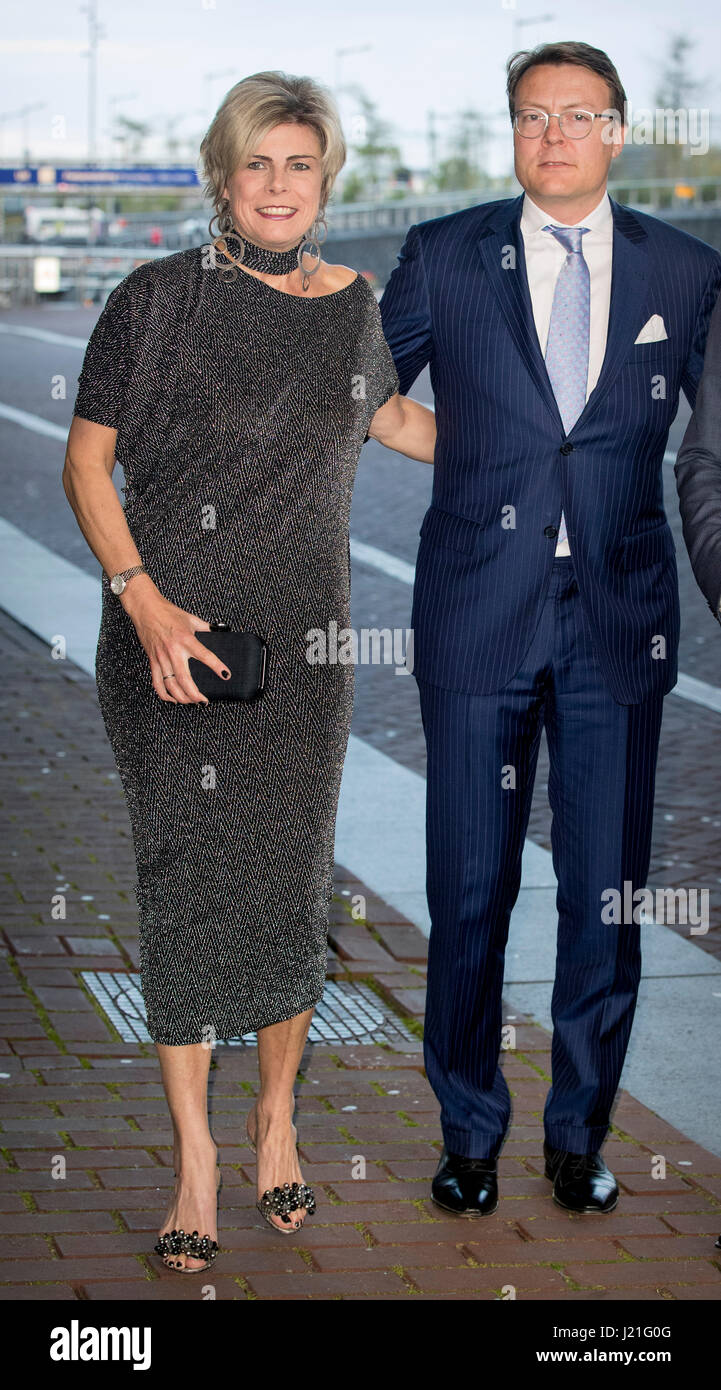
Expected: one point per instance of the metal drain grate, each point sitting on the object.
(346, 1014)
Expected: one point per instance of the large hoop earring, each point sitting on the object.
(311, 247)
(224, 219)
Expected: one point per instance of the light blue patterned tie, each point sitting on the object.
(568, 333)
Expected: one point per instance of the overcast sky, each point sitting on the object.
(155, 56)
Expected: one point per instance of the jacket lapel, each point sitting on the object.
(501, 247)
(510, 285)
(629, 271)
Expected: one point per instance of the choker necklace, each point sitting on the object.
(259, 257)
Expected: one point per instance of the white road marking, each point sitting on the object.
(32, 422)
(698, 692)
(687, 687)
(381, 560)
(43, 335)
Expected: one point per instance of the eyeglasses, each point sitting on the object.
(531, 124)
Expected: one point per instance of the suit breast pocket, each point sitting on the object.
(649, 354)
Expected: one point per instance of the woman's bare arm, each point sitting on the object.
(165, 631)
(89, 488)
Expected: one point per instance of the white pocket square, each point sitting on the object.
(654, 331)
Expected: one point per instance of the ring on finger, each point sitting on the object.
(170, 676)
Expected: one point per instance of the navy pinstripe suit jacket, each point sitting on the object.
(459, 301)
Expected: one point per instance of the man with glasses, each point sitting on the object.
(559, 327)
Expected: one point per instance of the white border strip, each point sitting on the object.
(55, 599)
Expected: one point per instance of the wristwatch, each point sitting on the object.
(119, 581)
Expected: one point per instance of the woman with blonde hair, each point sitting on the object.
(236, 383)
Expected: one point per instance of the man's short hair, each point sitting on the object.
(580, 54)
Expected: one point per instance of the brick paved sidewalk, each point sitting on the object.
(77, 1093)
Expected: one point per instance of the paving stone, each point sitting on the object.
(108, 1267)
(619, 1275)
(404, 943)
(380, 1237)
(354, 942)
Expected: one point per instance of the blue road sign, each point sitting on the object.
(82, 176)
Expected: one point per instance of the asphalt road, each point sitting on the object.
(391, 495)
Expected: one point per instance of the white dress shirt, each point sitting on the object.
(544, 258)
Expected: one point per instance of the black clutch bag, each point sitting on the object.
(245, 655)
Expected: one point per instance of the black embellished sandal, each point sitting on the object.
(183, 1243)
(281, 1201)
(277, 1201)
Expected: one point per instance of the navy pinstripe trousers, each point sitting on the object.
(482, 755)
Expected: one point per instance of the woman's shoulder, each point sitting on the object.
(167, 271)
(337, 277)
(154, 295)
(167, 276)
(343, 276)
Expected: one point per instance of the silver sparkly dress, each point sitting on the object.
(241, 412)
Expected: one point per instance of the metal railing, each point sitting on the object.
(647, 194)
(86, 275)
(89, 273)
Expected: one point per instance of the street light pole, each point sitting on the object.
(112, 103)
(518, 24)
(432, 137)
(340, 54)
(209, 77)
(24, 112)
(94, 33)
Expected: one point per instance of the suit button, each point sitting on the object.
(551, 532)
(567, 448)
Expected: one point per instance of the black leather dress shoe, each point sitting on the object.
(466, 1186)
(581, 1182)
